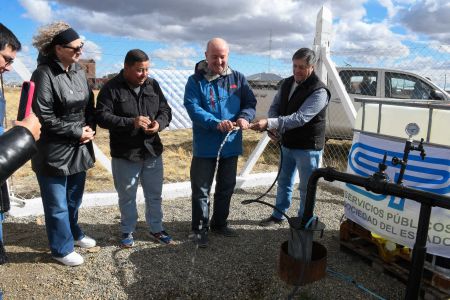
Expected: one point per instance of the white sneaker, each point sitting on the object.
(72, 259)
(86, 242)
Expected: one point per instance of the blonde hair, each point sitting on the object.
(42, 40)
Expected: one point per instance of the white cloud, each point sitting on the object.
(91, 50)
(247, 25)
(429, 17)
(364, 43)
(39, 10)
(391, 8)
(176, 56)
(244, 25)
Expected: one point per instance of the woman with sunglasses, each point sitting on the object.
(64, 104)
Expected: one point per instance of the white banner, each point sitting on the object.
(394, 218)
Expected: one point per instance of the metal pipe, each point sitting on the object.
(373, 184)
(419, 253)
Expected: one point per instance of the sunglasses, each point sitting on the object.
(75, 49)
(8, 60)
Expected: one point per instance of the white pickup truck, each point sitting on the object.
(376, 83)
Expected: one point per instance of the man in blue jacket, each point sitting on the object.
(218, 100)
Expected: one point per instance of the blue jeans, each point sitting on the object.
(202, 172)
(126, 175)
(305, 161)
(61, 198)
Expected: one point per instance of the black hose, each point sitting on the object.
(258, 199)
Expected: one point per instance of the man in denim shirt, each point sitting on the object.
(297, 116)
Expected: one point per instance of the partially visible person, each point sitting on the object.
(134, 109)
(64, 104)
(217, 99)
(17, 146)
(297, 116)
(9, 45)
(367, 87)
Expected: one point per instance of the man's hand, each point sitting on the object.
(87, 135)
(32, 124)
(142, 122)
(242, 123)
(153, 128)
(225, 126)
(260, 125)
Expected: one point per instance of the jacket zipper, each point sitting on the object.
(211, 98)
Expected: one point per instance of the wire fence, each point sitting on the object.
(420, 73)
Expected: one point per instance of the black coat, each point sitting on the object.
(64, 104)
(118, 106)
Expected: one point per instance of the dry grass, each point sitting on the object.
(177, 157)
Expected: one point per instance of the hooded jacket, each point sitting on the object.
(64, 104)
(211, 99)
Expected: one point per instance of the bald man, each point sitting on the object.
(218, 100)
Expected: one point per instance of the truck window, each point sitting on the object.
(404, 86)
(360, 82)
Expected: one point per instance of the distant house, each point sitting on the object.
(270, 77)
(89, 67)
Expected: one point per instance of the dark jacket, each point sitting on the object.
(64, 104)
(17, 146)
(118, 106)
(312, 134)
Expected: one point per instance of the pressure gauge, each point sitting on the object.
(412, 129)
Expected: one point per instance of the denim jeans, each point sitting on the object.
(126, 175)
(61, 198)
(202, 172)
(305, 161)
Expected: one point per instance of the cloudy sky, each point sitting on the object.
(262, 33)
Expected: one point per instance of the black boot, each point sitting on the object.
(3, 257)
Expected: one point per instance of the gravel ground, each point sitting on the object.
(230, 268)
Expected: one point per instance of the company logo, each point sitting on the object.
(431, 174)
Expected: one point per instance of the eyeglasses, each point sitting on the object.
(8, 60)
(75, 49)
